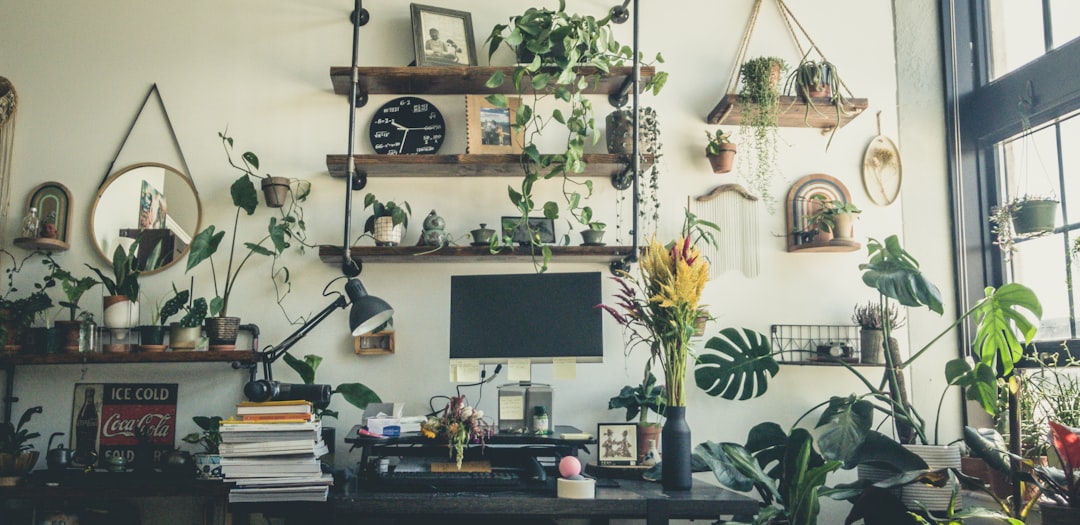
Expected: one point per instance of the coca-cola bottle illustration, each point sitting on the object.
(86, 430)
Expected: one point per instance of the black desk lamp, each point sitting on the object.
(367, 313)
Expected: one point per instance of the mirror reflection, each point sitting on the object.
(153, 202)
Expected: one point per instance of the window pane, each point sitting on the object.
(1065, 20)
(1040, 265)
(1031, 165)
(1070, 157)
(1016, 34)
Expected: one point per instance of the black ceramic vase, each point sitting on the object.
(675, 448)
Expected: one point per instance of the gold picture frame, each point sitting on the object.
(491, 129)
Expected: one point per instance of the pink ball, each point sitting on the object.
(569, 466)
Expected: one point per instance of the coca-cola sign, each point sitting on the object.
(136, 421)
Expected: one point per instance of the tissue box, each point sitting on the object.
(394, 426)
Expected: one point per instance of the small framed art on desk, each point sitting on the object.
(618, 443)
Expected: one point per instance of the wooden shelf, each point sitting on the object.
(487, 165)
(247, 356)
(824, 362)
(41, 243)
(459, 80)
(832, 245)
(794, 113)
(427, 254)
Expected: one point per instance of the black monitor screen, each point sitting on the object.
(537, 316)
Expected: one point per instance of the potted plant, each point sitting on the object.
(561, 54)
(620, 130)
(276, 190)
(18, 313)
(1026, 216)
(356, 394)
(818, 79)
(760, 94)
(282, 230)
(593, 235)
(388, 221)
(639, 401)
(73, 288)
(871, 320)
(744, 363)
(17, 455)
(121, 306)
(720, 151)
(832, 218)
(152, 336)
(207, 462)
(185, 334)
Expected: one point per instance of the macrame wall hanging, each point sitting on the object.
(8, 104)
(738, 243)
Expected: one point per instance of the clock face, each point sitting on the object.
(407, 125)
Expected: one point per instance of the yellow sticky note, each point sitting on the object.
(468, 371)
(453, 373)
(565, 368)
(519, 370)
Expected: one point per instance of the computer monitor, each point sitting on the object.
(544, 316)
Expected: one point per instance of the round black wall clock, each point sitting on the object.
(407, 125)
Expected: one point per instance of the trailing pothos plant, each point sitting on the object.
(569, 54)
(284, 228)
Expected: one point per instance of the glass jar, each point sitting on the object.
(30, 224)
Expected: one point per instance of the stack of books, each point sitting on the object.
(271, 452)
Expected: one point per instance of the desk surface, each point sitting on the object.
(633, 499)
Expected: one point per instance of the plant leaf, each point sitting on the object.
(244, 195)
(357, 395)
(741, 367)
(203, 246)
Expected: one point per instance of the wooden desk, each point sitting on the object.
(633, 499)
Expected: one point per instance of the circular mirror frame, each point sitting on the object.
(116, 175)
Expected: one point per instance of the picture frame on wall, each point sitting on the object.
(617, 443)
(543, 227)
(491, 129)
(442, 37)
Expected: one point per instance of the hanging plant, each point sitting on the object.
(760, 96)
(557, 45)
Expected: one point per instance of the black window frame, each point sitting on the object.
(974, 124)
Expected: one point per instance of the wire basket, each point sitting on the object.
(803, 343)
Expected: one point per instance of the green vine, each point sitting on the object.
(760, 98)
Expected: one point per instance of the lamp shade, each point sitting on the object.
(368, 312)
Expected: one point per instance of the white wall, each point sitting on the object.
(261, 68)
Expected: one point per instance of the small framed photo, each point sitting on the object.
(442, 37)
(518, 232)
(618, 443)
(491, 129)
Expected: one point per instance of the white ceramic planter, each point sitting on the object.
(387, 233)
(121, 314)
(934, 498)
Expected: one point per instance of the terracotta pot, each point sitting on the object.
(70, 338)
(275, 191)
(977, 467)
(822, 91)
(725, 161)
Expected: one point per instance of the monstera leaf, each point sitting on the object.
(1000, 316)
(895, 274)
(843, 426)
(740, 369)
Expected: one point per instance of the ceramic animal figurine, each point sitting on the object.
(433, 234)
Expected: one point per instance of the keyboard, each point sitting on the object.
(500, 480)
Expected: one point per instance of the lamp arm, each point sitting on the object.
(274, 353)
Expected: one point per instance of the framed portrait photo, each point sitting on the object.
(618, 443)
(442, 37)
(490, 129)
